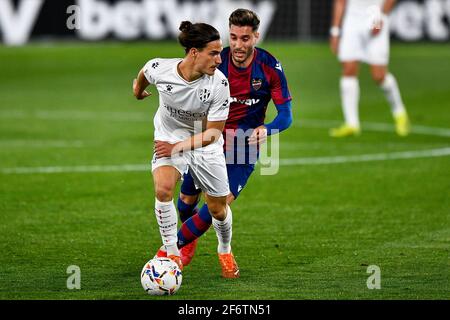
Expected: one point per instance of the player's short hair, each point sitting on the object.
(196, 35)
(244, 18)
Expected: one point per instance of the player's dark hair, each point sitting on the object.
(244, 18)
(196, 35)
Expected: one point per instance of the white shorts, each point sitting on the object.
(358, 44)
(208, 169)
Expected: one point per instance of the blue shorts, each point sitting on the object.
(238, 175)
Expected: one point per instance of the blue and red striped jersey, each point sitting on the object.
(251, 90)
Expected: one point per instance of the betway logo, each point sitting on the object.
(412, 21)
(16, 26)
(127, 20)
(248, 102)
(131, 20)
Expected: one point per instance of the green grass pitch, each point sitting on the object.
(308, 232)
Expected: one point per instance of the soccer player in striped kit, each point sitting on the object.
(360, 33)
(255, 78)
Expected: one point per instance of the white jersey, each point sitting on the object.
(363, 7)
(184, 107)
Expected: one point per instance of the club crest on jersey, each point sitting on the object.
(256, 84)
(167, 89)
(204, 94)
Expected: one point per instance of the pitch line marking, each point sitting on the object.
(442, 152)
(374, 126)
(20, 143)
(78, 115)
(78, 169)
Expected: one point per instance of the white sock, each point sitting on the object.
(167, 218)
(350, 99)
(224, 232)
(392, 93)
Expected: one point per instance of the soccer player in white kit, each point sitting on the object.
(360, 33)
(194, 100)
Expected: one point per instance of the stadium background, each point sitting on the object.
(411, 20)
(74, 150)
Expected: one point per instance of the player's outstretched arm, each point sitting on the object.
(211, 134)
(139, 85)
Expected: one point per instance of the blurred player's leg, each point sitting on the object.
(350, 100)
(390, 88)
(378, 57)
(402, 124)
(349, 88)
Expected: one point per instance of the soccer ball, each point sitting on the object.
(161, 276)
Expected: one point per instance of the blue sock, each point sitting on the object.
(194, 227)
(186, 210)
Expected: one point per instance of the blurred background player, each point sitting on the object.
(255, 78)
(360, 33)
(192, 91)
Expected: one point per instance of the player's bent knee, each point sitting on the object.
(217, 206)
(218, 214)
(164, 193)
(378, 77)
(350, 73)
(217, 210)
(378, 73)
(350, 69)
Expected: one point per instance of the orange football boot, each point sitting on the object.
(160, 253)
(229, 266)
(177, 260)
(187, 252)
